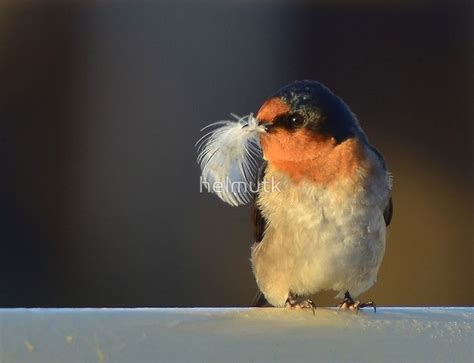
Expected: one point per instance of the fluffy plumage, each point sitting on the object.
(322, 238)
(228, 158)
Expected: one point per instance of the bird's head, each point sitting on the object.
(302, 119)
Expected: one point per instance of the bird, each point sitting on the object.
(323, 203)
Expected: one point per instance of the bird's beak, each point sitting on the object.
(264, 126)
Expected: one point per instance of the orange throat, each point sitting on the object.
(305, 155)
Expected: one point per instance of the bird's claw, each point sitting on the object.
(292, 303)
(350, 304)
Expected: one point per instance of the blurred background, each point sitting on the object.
(101, 103)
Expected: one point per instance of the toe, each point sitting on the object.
(309, 304)
(369, 304)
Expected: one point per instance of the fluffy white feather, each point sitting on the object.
(228, 158)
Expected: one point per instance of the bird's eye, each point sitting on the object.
(296, 119)
(290, 121)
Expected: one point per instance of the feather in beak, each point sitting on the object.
(228, 156)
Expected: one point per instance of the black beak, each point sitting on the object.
(266, 125)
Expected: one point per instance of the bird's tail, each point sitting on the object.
(259, 300)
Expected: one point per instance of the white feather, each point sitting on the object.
(228, 158)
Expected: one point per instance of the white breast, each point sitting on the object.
(321, 238)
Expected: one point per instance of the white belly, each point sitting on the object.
(319, 238)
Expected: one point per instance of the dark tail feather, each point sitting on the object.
(259, 301)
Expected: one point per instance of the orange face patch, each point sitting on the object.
(271, 109)
(303, 154)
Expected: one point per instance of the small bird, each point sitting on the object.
(325, 226)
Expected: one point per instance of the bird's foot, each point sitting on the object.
(293, 303)
(350, 304)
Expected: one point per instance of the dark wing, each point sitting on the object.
(259, 221)
(388, 211)
(260, 224)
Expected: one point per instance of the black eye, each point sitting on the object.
(290, 121)
(296, 119)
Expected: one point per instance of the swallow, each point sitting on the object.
(325, 226)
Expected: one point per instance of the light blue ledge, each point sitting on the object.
(235, 335)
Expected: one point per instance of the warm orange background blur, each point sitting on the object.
(101, 104)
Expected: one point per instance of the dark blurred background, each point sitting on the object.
(101, 104)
